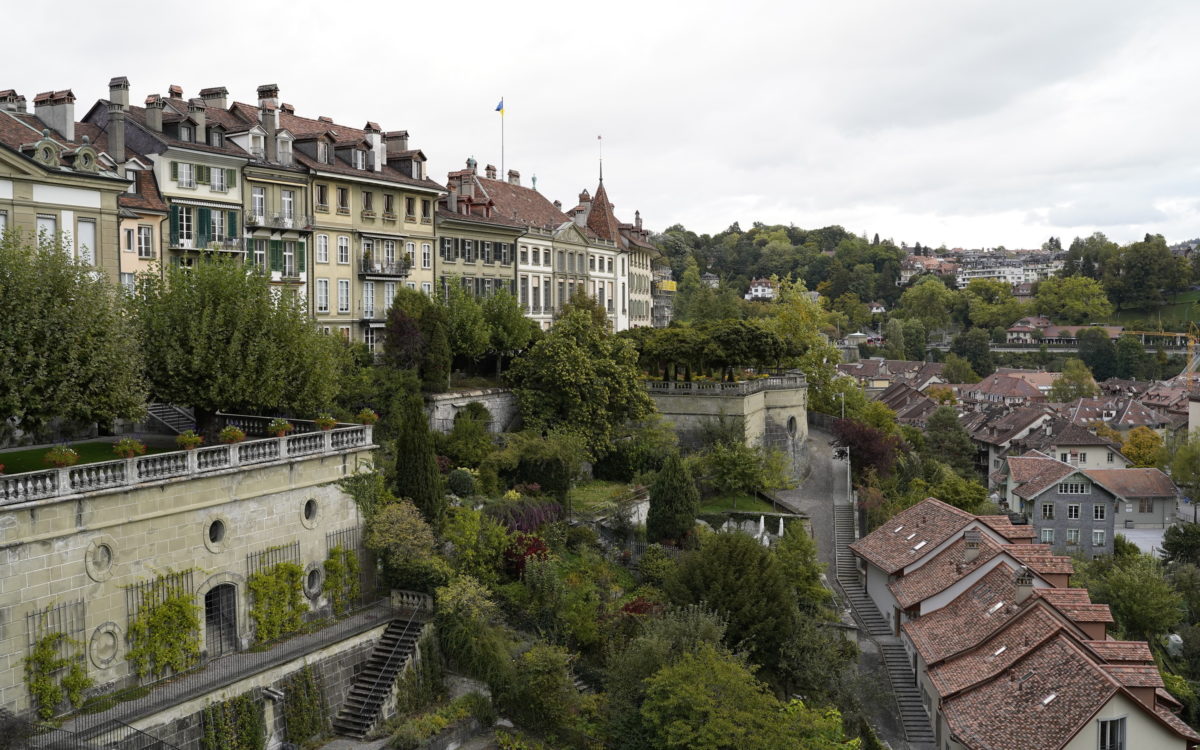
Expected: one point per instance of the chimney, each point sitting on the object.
(288, 108)
(118, 101)
(378, 147)
(325, 119)
(268, 116)
(196, 112)
(585, 201)
(452, 198)
(637, 220)
(971, 539)
(268, 95)
(154, 112)
(57, 110)
(175, 92)
(490, 171)
(558, 205)
(11, 101)
(215, 96)
(1023, 578)
(514, 177)
(396, 140)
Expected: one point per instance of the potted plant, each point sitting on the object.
(367, 416)
(189, 440)
(230, 434)
(325, 422)
(61, 456)
(129, 448)
(280, 427)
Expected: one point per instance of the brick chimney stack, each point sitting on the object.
(57, 109)
(118, 102)
(514, 177)
(1023, 578)
(215, 96)
(197, 113)
(490, 171)
(154, 112)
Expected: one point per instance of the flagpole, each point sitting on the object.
(502, 172)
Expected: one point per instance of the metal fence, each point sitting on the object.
(351, 538)
(157, 590)
(272, 556)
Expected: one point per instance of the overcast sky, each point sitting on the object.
(963, 122)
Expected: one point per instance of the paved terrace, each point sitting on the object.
(115, 476)
(740, 388)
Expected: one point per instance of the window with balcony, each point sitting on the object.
(217, 225)
(322, 295)
(389, 252)
(185, 223)
(410, 252)
(343, 247)
(426, 255)
(322, 248)
(343, 291)
(287, 200)
(258, 203)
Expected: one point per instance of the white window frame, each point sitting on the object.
(427, 288)
(389, 252)
(322, 295)
(1099, 512)
(426, 255)
(216, 181)
(260, 254)
(186, 174)
(410, 251)
(145, 241)
(1073, 512)
(288, 203)
(216, 225)
(128, 244)
(289, 259)
(343, 248)
(1112, 743)
(368, 292)
(1073, 536)
(186, 230)
(258, 201)
(87, 250)
(1046, 536)
(343, 292)
(1098, 537)
(322, 248)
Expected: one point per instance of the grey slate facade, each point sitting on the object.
(1069, 513)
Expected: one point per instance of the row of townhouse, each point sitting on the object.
(1004, 653)
(342, 216)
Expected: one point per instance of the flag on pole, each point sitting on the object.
(500, 107)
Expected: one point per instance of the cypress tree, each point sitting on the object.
(416, 470)
(435, 357)
(674, 502)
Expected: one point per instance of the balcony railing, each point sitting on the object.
(743, 388)
(372, 266)
(306, 440)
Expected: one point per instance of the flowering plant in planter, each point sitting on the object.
(189, 440)
(129, 448)
(231, 434)
(367, 416)
(280, 427)
(325, 422)
(61, 456)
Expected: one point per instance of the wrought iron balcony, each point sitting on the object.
(373, 266)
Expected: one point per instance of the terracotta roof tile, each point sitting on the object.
(938, 574)
(1076, 604)
(147, 197)
(971, 616)
(1136, 675)
(1133, 483)
(1004, 526)
(1019, 636)
(929, 523)
(1121, 651)
(524, 205)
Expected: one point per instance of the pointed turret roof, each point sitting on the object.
(601, 219)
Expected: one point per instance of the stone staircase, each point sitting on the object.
(908, 697)
(175, 419)
(374, 684)
(847, 573)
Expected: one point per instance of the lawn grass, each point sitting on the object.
(17, 462)
(594, 494)
(1181, 310)
(741, 503)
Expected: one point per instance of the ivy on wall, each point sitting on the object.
(45, 677)
(165, 635)
(235, 724)
(341, 579)
(305, 714)
(278, 606)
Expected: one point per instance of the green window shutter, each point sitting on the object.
(276, 255)
(203, 225)
(300, 257)
(231, 178)
(175, 170)
(174, 223)
(202, 174)
(231, 225)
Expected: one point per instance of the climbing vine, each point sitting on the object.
(278, 607)
(43, 674)
(341, 579)
(304, 712)
(165, 635)
(235, 724)
(423, 681)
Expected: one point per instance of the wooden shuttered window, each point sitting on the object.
(174, 223)
(231, 225)
(231, 178)
(203, 226)
(276, 253)
(300, 253)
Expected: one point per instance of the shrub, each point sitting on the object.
(542, 696)
(523, 547)
(60, 456)
(656, 566)
(341, 579)
(230, 434)
(165, 635)
(461, 482)
(582, 537)
(470, 639)
(526, 514)
(278, 607)
(188, 440)
(129, 448)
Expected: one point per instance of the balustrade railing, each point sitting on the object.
(744, 388)
(307, 440)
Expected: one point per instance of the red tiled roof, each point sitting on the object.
(1133, 483)
(911, 534)
(971, 616)
(1076, 604)
(1039, 559)
(1004, 526)
(1025, 632)
(601, 219)
(1038, 475)
(1136, 675)
(524, 205)
(147, 197)
(1118, 651)
(938, 574)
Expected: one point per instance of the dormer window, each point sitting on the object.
(285, 150)
(256, 145)
(360, 159)
(187, 133)
(216, 138)
(323, 153)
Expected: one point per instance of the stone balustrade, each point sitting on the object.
(308, 440)
(741, 388)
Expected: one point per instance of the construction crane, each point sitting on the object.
(1190, 338)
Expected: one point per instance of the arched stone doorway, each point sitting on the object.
(220, 620)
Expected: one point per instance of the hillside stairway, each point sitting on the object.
(847, 573)
(172, 417)
(374, 684)
(908, 698)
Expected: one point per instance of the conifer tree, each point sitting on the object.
(435, 357)
(674, 502)
(416, 472)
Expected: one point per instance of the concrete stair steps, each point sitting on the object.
(908, 699)
(373, 684)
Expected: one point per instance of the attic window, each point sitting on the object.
(910, 536)
(898, 528)
(1049, 699)
(216, 138)
(995, 607)
(186, 133)
(1000, 650)
(920, 544)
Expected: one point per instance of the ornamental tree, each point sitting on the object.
(416, 474)
(509, 331)
(68, 349)
(674, 502)
(1074, 383)
(217, 335)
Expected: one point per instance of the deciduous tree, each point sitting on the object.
(1143, 447)
(509, 331)
(1075, 382)
(1072, 300)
